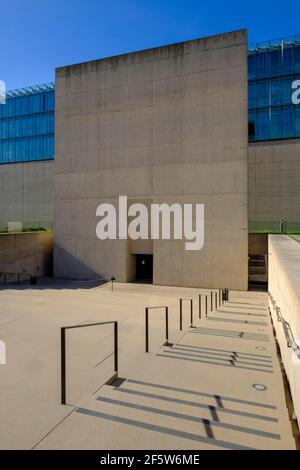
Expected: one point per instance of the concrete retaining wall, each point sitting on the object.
(29, 252)
(284, 286)
(274, 169)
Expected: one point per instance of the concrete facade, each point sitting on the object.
(27, 252)
(284, 286)
(163, 125)
(26, 194)
(274, 188)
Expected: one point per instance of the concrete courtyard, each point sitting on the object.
(197, 394)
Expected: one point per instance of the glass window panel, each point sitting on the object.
(297, 120)
(251, 66)
(262, 93)
(287, 122)
(297, 58)
(262, 64)
(27, 127)
(252, 95)
(263, 127)
(275, 89)
(275, 62)
(275, 127)
(287, 59)
(287, 91)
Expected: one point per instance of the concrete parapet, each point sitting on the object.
(284, 289)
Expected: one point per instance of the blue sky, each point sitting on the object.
(38, 35)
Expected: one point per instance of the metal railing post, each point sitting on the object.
(147, 329)
(63, 364)
(63, 359)
(116, 347)
(180, 314)
(191, 313)
(205, 305)
(167, 324)
(200, 306)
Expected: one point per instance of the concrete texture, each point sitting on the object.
(196, 395)
(284, 285)
(164, 125)
(26, 252)
(26, 194)
(274, 192)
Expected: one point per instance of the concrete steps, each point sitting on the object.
(257, 269)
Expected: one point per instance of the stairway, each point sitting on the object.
(198, 393)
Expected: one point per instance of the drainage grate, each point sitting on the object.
(259, 387)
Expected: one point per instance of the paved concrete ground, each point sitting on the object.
(197, 394)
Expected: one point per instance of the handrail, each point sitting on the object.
(218, 300)
(290, 339)
(63, 354)
(147, 325)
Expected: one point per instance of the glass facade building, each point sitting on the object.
(274, 89)
(27, 125)
(27, 117)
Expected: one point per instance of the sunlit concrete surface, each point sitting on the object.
(197, 394)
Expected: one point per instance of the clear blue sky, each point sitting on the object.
(39, 35)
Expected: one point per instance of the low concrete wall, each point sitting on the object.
(284, 286)
(29, 252)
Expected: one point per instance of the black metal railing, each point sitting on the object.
(147, 325)
(225, 295)
(18, 277)
(63, 354)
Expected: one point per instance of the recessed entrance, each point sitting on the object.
(144, 268)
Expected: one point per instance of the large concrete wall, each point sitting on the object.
(167, 124)
(27, 252)
(26, 193)
(274, 183)
(284, 286)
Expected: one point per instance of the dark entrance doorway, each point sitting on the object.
(144, 268)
